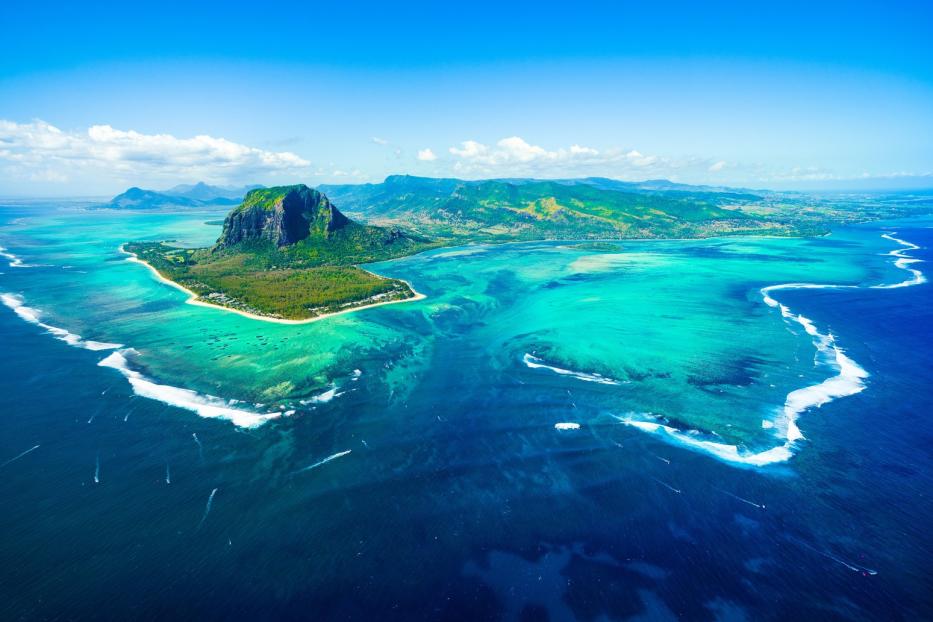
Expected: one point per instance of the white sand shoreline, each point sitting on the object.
(193, 298)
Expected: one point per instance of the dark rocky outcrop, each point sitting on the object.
(283, 215)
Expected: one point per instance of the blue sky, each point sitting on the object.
(94, 99)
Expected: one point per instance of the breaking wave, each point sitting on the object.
(849, 379)
(13, 260)
(204, 405)
(32, 316)
(535, 363)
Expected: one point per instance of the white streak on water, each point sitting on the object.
(204, 405)
(168, 474)
(567, 425)
(849, 565)
(194, 435)
(849, 380)
(324, 461)
(760, 506)
(15, 458)
(14, 261)
(666, 485)
(32, 316)
(535, 363)
(324, 397)
(207, 508)
(97, 470)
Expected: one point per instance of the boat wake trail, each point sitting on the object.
(849, 565)
(668, 486)
(849, 379)
(207, 508)
(760, 506)
(15, 458)
(321, 462)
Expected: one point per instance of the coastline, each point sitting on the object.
(193, 298)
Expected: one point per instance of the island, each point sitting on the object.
(286, 254)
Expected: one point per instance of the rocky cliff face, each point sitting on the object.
(282, 215)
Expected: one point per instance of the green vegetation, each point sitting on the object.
(287, 253)
(496, 210)
(235, 280)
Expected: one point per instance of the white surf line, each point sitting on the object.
(204, 405)
(902, 262)
(31, 315)
(849, 380)
(15, 458)
(536, 363)
(13, 260)
(324, 461)
(207, 508)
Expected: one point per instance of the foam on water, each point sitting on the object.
(32, 316)
(204, 405)
(849, 379)
(902, 262)
(535, 363)
(339, 454)
(322, 398)
(14, 261)
(567, 425)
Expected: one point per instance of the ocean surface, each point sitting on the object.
(725, 429)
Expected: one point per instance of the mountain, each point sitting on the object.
(536, 209)
(297, 225)
(287, 252)
(137, 198)
(205, 192)
(193, 195)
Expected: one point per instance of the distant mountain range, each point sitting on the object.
(187, 195)
(591, 207)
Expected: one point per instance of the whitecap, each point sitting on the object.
(204, 405)
(536, 363)
(849, 379)
(32, 316)
(14, 261)
(323, 398)
(567, 425)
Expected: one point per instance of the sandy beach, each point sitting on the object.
(194, 300)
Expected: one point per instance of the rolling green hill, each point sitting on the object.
(521, 209)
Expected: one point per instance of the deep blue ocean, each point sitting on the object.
(453, 526)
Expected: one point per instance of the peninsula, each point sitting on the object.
(286, 254)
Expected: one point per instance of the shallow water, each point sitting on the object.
(417, 460)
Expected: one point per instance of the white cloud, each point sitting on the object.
(41, 151)
(426, 155)
(379, 141)
(718, 166)
(514, 156)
